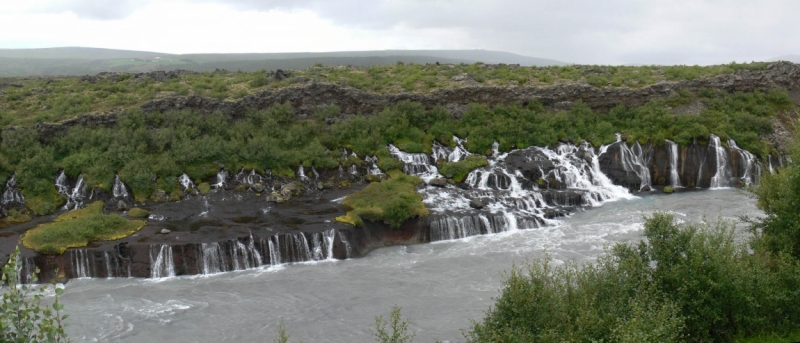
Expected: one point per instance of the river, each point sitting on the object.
(440, 286)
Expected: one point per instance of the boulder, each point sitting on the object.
(258, 187)
(160, 196)
(165, 231)
(476, 203)
(438, 182)
(122, 206)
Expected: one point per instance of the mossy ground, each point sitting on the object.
(393, 201)
(77, 228)
(138, 213)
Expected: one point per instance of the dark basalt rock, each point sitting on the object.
(438, 182)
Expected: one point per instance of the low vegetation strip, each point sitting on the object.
(38, 99)
(77, 228)
(393, 201)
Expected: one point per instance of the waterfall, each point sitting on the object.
(81, 261)
(723, 175)
(274, 254)
(633, 161)
(448, 154)
(161, 264)
(748, 164)
(212, 259)
(119, 190)
(415, 164)
(187, 184)
(529, 188)
(301, 173)
(11, 193)
(112, 264)
(25, 268)
(372, 165)
(348, 249)
(672, 150)
(74, 195)
(222, 177)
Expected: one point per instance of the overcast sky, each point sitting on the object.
(580, 31)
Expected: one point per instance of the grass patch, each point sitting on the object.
(77, 228)
(459, 170)
(138, 213)
(394, 201)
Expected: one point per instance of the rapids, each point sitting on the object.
(440, 286)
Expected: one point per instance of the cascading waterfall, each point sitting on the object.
(161, 263)
(750, 169)
(415, 164)
(281, 248)
(633, 161)
(82, 265)
(119, 190)
(212, 259)
(508, 205)
(222, 178)
(723, 175)
(75, 195)
(111, 262)
(348, 248)
(372, 165)
(458, 153)
(25, 268)
(11, 193)
(187, 184)
(674, 177)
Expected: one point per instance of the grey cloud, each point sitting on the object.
(584, 31)
(580, 31)
(97, 9)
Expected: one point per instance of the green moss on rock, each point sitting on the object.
(394, 201)
(77, 228)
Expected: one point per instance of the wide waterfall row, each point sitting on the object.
(249, 252)
(452, 227)
(85, 263)
(521, 189)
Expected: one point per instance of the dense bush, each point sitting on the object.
(459, 170)
(779, 197)
(685, 282)
(23, 317)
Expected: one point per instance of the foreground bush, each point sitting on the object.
(23, 317)
(684, 283)
(77, 228)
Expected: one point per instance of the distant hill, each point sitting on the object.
(790, 58)
(83, 61)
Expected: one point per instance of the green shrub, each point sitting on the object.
(685, 282)
(23, 317)
(778, 196)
